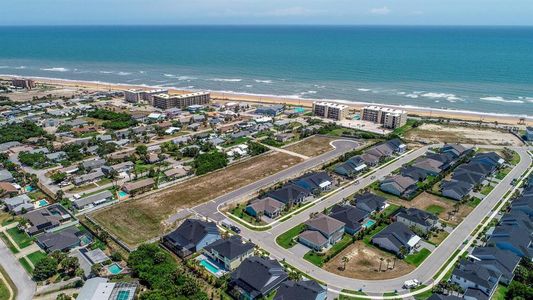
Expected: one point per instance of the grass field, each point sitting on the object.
(4, 292)
(435, 209)
(423, 295)
(312, 146)
(486, 190)
(417, 258)
(26, 265)
(35, 257)
(500, 293)
(138, 220)
(436, 240)
(318, 260)
(8, 243)
(285, 240)
(20, 237)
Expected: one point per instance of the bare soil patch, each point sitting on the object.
(459, 134)
(450, 213)
(141, 219)
(312, 146)
(364, 263)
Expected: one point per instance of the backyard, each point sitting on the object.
(364, 262)
(141, 219)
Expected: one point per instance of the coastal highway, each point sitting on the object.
(210, 209)
(424, 273)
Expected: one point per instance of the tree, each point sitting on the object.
(69, 265)
(58, 177)
(141, 150)
(345, 260)
(380, 263)
(45, 268)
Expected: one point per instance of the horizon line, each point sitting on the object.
(263, 25)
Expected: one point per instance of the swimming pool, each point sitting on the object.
(29, 188)
(114, 269)
(42, 203)
(369, 223)
(123, 295)
(122, 194)
(209, 266)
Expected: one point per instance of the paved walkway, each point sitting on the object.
(286, 151)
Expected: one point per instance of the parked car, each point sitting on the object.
(410, 284)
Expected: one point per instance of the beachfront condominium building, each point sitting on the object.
(135, 96)
(330, 110)
(165, 101)
(388, 117)
(23, 83)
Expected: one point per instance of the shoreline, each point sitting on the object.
(294, 101)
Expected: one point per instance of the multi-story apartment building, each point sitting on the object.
(134, 96)
(330, 110)
(165, 101)
(23, 83)
(388, 117)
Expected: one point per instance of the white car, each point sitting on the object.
(409, 284)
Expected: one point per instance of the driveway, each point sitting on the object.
(299, 250)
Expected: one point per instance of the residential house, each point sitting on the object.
(351, 216)
(497, 260)
(61, 240)
(93, 164)
(257, 277)
(473, 276)
(176, 173)
(92, 200)
(301, 290)
(455, 149)
(99, 288)
(396, 238)
(284, 137)
(524, 204)
(332, 230)
(512, 238)
(351, 167)
(47, 219)
(414, 217)
(267, 206)
(315, 182)
(370, 202)
(290, 194)
(191, 236)
(57, 156)
(8, 189)
(416, 173)
(140, 186)
(6, 176)
(272, 110)
(19, 204)
(399, 185)
(123, 167)
(230, 252)
(87, 178)
(456, 190)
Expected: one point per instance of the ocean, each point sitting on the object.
(482, 69)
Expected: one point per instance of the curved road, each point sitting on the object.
(210, 209)
(424, 272)
(25, 286)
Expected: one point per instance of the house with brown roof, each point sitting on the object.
(399, 185)
(331, 230)
(268, 206)
(136, 187)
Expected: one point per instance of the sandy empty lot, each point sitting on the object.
(458, 134)
(141, 219)
(312, 146)
(364, 263)
(425, 200)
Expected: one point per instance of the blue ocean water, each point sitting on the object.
(485, 69)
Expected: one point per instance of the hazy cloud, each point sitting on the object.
(380, 11)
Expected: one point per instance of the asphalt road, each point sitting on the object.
(210, 209)
(25, 286)
(424, 273)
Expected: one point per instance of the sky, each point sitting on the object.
(264, 12)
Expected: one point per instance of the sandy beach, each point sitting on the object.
(269, 99)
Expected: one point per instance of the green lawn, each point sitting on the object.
(474, 202)
(314, 258)
(240, 212)
(486, 190)
(355, 293)
(20, 237)
(417, 258)
(435, 209)
(423, 295)
(390, 294)
(389, 210)
(368, 237)
(35, 257)
(516, 159)
(500, 293)
(4, 292)
(502, 173)
(10, 245)
(26, 265)
(285, 240)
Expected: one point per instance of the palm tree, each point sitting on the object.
(380, 263)
(345, 260)
(394, 262)
(388, 262)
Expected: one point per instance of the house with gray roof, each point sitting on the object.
(331, 229)
(57, 156)
(191, 236)
(47, 219)
(93, 164)
(315, 182)
(19, 204)
(351, 167)
(455, 189)
(88, 178)
(414, 217)
(8, 145)
(351, 216)
(497, 260)
(524, 204)
(399, 185)
(512, 238)
(99, 288)
(229, 252)
(6, 176)
(290, 194)
(257, 277)
(61, 240)
(370, 202)
(92, 200)
(267, 206)
(396, 238)
(469, 275)
(301, 290)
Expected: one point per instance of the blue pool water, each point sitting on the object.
(209, 266)
(114, 269)
(29, 188)
(122, 194)
(42, 203)
(369, 223)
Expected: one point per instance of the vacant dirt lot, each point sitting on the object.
(364, 263)
(139, 220)
(457, 134)
(312, 146)
(427, 200)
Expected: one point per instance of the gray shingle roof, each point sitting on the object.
(230, 248)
